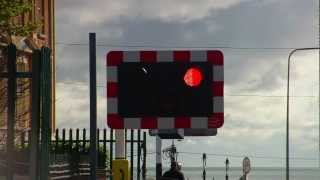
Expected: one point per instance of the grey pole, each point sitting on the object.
(93, 106)
(319, 80)
(288, 95)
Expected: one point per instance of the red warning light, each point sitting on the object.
(193, 77)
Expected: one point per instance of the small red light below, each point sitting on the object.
(193, 77)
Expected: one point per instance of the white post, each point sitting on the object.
(120, 165)
(158, 157)
(120, 144)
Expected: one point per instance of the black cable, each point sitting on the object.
(102, 44)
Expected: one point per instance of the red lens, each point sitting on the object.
(193, 77)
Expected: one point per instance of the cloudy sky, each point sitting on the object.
(261, 32)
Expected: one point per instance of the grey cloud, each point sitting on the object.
(89, 12)
(268, 80)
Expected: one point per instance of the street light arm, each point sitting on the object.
(301, 49)
(288, 92)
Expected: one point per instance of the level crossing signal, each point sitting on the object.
(165, 89)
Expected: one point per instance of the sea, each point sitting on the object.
(195, 173)
(216, 173)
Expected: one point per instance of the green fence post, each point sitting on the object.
(84, 140)
(29, 140)
(70, 140)
(98, 140)
(23, 140)
(77, 140)
(63, 140)
(35, 122)
(12, 86)
(45, 91)
(57, 142)
(104, 141)
(77, 151)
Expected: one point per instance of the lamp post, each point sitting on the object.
(287, 125)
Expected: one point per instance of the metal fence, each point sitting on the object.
(22, 83)
(69, 154)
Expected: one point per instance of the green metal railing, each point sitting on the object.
(41, 107)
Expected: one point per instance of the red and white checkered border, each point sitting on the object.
(115, 58)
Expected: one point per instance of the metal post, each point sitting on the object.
(319, 82)
(158, 157)
(139, 154)
(144, 165)
(12, 69)
(111, 148)
(93, 106)
(131, 154)
(35, 122)
(287, 122)
(45, 92)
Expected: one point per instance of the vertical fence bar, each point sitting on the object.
(56, 144)
(77, 140)
(35, 121)
(104, 141)
(64, 140)
(93, 105)
(111, 148)
(23, 139)
(57, 139)
(77, 151)
(125, 142)
(83, 140)
(138, 155)
(98, 147)
(12, 86)
(98, 140)
(131, 153)
(29, 139)
(70, 140)
(144, 165)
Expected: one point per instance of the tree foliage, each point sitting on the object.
(10, 9)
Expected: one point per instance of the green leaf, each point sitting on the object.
(10, 9)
